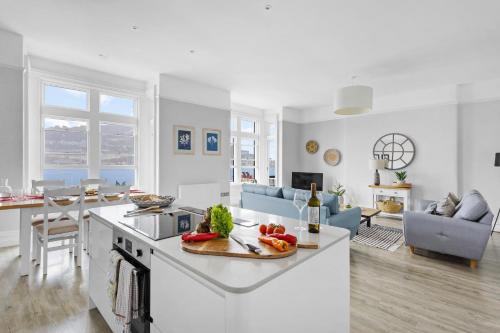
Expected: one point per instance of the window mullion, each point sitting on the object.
(94, 137)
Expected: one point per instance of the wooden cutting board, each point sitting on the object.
(230, 248)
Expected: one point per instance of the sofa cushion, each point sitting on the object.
(276, 192)
(472, 207)
(331, 201)
(431, 208)
(453, 197)
(288, 192)
(254, 188)
(250, 188)
(260, 189)
(445, 207)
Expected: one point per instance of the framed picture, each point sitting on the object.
(183, 140)
(183, 223)
(211, 141)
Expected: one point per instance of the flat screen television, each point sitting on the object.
(303, 180)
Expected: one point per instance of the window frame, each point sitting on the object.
(69, 86)
(106, 92)
(94, 117)
(238, 134)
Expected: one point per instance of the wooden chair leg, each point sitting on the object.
(412, 249)
(473, 263)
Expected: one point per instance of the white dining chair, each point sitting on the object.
(64, 226)
(85, 183)
(37, 188)
(107, 195)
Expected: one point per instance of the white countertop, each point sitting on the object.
(236, 275)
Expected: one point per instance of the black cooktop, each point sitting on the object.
(163, 226)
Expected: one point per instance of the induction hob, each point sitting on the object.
(164, 226)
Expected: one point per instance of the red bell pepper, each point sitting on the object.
(288, 238)
(190, 237)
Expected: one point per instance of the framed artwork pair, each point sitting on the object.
(184, 140)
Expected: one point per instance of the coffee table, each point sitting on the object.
(367, 214)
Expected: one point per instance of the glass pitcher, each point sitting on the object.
(5, 189)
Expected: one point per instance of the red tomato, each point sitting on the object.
(263, 229)
(270, 228)
(280, 229)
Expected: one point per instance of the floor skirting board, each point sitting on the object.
(9, 238)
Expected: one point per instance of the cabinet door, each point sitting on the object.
(100, 243)
(98, 284)
(181, 304)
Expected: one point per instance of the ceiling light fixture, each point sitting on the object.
(268, 7)
(134, 27)
(191, 51)
(354, 99)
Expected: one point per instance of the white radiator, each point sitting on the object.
(199, 195)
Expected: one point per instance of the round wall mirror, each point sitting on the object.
(396, 148)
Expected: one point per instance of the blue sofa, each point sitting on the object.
(279, 201)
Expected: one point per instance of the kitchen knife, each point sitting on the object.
(246, 246)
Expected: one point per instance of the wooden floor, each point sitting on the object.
(390, 292)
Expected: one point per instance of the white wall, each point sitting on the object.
(329, 135)
(289, 153)
(175, 170)
(433, 171)
(479, 140)
(11, 126)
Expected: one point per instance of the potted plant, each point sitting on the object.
(339, 191)
(401, 176)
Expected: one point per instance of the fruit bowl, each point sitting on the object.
(149, 200)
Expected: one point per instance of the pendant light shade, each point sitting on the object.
(353, 100)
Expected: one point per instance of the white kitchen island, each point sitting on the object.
(306, 292)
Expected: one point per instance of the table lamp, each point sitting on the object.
(497, 164)
(376, 164)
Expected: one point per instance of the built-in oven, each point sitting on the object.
(138, 254)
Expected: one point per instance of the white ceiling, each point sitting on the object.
(295, 54)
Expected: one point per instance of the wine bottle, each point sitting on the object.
(313, 211)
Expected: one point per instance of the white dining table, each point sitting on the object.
(31, 207)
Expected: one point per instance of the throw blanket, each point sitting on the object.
(114, 266)
(127, 296)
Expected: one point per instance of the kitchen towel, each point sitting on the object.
(127, 296)
(114, 265)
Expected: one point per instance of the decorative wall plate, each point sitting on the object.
(396, 148)
(312, 146)
(332, 157)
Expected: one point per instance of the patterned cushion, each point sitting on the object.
(453, 197)
(431, 208)
(445, 207)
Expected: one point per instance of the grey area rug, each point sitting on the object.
(386, 238)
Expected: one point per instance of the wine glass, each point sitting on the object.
(18, 194)
(300, 201)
